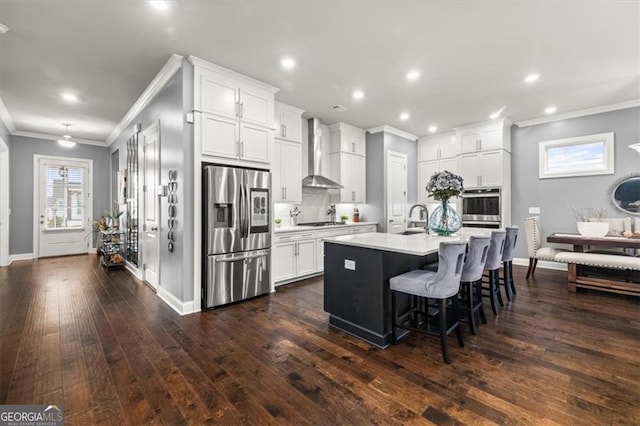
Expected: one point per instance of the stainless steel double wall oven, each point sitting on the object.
(481, 208)
(237, 234)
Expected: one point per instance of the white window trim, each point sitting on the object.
(543, 149)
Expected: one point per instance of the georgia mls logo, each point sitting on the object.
(31, 415)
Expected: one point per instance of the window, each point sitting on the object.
(64, 196)
(581, 156)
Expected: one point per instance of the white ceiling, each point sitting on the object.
(473, 57)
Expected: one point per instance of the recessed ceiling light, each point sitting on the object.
(69, 97)
(358, 94)
(531, 78)
(159, 4)
(3, 29)
(404, 116)
(433, 128)
(413, 75)
(550, 109)
(288, 63)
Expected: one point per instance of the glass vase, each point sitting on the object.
(444, 220)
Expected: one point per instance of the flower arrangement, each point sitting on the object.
(444, 185)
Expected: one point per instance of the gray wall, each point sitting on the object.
(176, 153)
(554, 196)
(378, 145)
(21, 155)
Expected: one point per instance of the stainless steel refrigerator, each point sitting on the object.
(237, 238)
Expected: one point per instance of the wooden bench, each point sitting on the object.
(608, 261)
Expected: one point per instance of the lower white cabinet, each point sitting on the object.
(294, 255)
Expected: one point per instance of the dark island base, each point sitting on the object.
(359, 300)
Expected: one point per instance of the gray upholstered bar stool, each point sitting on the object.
(507, 261)
(494, 258)
(442, 285)
(471, 279)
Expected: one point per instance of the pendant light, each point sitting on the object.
(66, 141)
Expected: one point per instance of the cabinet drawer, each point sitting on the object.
(363, 229)
(294, 236)
(332, 232)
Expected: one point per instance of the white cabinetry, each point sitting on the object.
(234, 115)
(485, 156)
(435, 154)
(348, 161)
(288, 122)
(496, 135)
(348, 138)
(294, 255)
(286, 162)
(350, 171)
(286, 168)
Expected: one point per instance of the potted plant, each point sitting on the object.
(344, 217)
(113, 217)
(589, 222)
(277, 221)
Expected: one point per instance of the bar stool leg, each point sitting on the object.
(468, 288)
(496, 286)
(478, 285)
(443, 330)
(456, 317)
(513, 282)
(507, 280)
(394, 314)
(492, 292)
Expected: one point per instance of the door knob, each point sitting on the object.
(154, 228)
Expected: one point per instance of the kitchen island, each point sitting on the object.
(356, 278)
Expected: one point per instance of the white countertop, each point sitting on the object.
(283, 229)
(416, 244)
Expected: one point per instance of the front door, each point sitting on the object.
(396, 192)
(63, 200)
(151, 234)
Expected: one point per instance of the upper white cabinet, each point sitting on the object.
(234, 115)
(286, 168)
(438, 147)
(427, 168)
(288, 122)
(484, 169)
(347, 138)
(350, 171)
(495, 135)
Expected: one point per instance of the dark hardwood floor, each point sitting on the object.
(104, 345)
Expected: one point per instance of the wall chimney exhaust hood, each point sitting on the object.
(315, 178)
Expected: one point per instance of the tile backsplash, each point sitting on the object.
(315, 203)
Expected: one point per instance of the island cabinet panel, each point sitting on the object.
(356, 289)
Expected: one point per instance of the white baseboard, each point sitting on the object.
(19, 257)
(93, 250)
(183, 308)
(544, 264)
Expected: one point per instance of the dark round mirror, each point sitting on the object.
(626, 195)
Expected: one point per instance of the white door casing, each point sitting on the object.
(396, 192)
(4, 203)
(151, 207)
(75, 236)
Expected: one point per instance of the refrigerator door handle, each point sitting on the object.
(239, 258)
(246, 212)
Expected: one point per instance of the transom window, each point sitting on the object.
(581, 156)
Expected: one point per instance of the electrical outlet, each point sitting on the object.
(350, 264)
(534, 210)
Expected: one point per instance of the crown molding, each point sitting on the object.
(496, 123)
(393, 131)
(6, 117)
(56, 137)
(168, 70)
(197, 62)
(579, 113)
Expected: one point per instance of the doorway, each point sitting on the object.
(396, 192)
(63, 205)
(4, 203)
(151, 224)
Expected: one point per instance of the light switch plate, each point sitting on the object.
(350, 264)
(534, 210)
